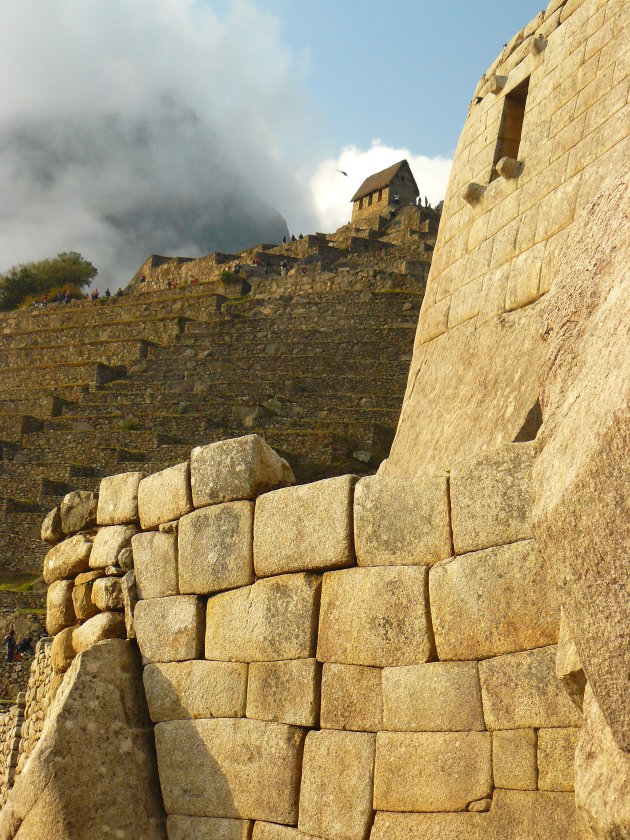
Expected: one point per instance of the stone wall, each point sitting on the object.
(342, 659)
(10, 737)
(477, 354)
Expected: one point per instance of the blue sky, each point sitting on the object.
(403, 70)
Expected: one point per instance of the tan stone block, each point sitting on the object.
(305, 528)
(536, 815)
(170, 629)
(215, 548)
(377, 616)
(401, 521)
(550, 259)
(556, 757)
(285, 692)
(503, 246)
(107, 593)
(274, 619)
(78, 510)
(558, 208)
(337, 778)
(155, 564)
(164, 496)
(84, 606)
(494, 601)
(434, 320)
(272, 831)
(67, 559)
(351, 698)
(240, 468)
(480, 260)
(61, 651)
(491, 499)
(478, 231)
(521, 689)
(51, 530)
(103, 626)
(434, 697)
(235, 768)
(465, 303)
(524, 278)
(493, 290)
(195, 689)
(59, 606)
(207, 828)
(391, 826)
(431, 771)
(118, 499)
(514, 759)
(108, 543)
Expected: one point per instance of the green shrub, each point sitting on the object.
(30, 281)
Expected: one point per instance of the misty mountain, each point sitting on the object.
(118, 187)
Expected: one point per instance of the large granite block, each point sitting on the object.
(285, 692)
(491, 499)
(240, 468)
(108, 543)
(274, 619)
(109, 625)
(434, 697)
(351, 698)
(495, 601)
(207, 828)
(215, 548)
(521, 689)
(514, 759)
(164, 496)
(556, 758)
(195, 689)
(305, 528)
(376, 616)
(401, 521)
(155, 564)
(272, 831)
(170, 629)
(337, 778)
(457, 826)
(67, 559)
(78, 510)
(431, 771)
(59, 606)
(118, 499)
(243, 769)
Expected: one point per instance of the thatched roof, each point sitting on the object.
(380, 180)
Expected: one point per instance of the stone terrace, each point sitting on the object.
(314, 360)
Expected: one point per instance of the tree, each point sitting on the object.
(68, 270)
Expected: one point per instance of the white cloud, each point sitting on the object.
(332, 191)
(128, 126)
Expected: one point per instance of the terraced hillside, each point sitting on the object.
(313, 356)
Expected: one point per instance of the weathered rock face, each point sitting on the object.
(602, 776)
(582, 494)
(100, 710)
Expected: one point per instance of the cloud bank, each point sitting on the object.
(129, 127)
(332, 190)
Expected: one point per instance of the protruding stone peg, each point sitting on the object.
(496, 84)
(537, 45)
(473, 192)
(507, 167)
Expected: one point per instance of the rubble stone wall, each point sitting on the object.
(342, 659)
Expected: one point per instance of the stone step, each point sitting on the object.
(161, 330)
(104, 352)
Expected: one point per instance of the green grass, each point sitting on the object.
(18, 582)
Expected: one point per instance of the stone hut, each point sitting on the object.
(389, 188)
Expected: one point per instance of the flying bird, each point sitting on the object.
(343, 173)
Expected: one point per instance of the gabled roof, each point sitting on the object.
(380, 180)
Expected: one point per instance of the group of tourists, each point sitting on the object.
(19, 650)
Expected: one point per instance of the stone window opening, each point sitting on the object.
(370, 200)
(380, 196)
(531, 425)
(511, 125)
